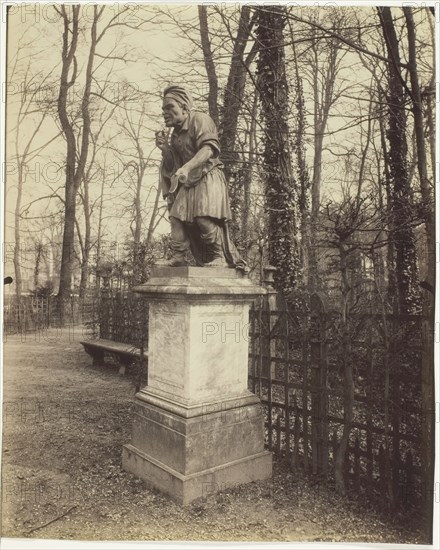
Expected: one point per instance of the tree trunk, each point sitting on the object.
(348, 372)
(232, 103)
(428, 302)
(70, 41)
(280, 185)
(137, 200)
(38, 255)
(390, 260)
(247, 175)
(75, 167)
(17, 234)
(323, 93)
(99, 237)
(234, 93)
(151, 225)
(87, 245)
(209, 64)
(401, 208)
(378, 254)
(302, 174)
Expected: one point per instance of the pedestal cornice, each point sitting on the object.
(200, 282)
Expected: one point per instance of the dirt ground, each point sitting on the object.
(64, 424)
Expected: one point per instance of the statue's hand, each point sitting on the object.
(161, 140)
(182, 175)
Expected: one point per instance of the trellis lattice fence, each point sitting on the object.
(39, 313)
(317, 371)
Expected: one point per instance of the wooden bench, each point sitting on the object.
(125, 353)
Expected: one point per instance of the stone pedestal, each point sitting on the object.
(197, 429)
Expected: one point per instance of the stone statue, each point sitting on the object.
(194, 185)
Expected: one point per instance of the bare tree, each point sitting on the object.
(77, 153)
(26, 150)
(75, 160)
(322, 64)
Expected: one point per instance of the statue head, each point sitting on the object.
(177, 103)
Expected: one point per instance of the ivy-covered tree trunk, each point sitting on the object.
(403, 239)
(280, 184)
(302, 173)
(247, 176)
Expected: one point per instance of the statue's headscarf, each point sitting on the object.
(179, 94)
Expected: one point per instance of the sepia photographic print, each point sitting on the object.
(219, 265)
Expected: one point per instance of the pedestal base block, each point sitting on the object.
(186, 488)
(189, 458)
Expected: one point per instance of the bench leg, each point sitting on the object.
(98, 358)
(124, 363)
(96, 355)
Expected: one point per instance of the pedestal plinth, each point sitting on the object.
(197, 428)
